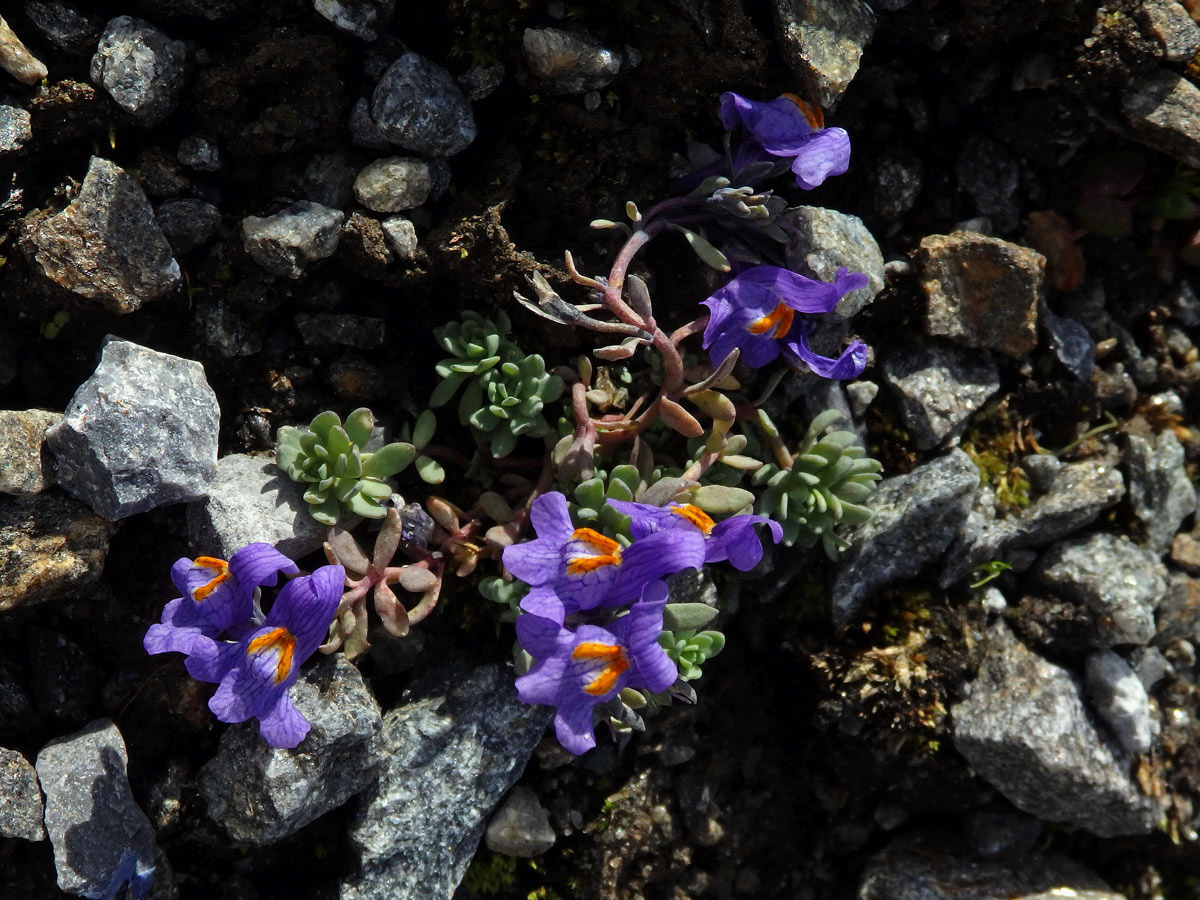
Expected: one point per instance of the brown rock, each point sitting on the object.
(21, 435)
(1164, 110)
(49, 543)
(106, 245)
(1185, 552)
(981, 292)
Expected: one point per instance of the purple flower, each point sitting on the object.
(572, 569)
(217, 596)
(733, 539)
(255, 673)
(788, 126)
(577, 670)
(756, 312)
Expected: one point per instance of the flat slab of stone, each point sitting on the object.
(1025, 729)
(22, 432)
(101, 837)
(980, 291)
(261, 794)
(140, 433)
(452, 750)
(106, 245)
(50, 544)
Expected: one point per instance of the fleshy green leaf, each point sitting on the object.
(358, 426)
(430, 470)
(423, 429)
(323, 422)
(389, 460)
(687, 616)
(718, 500)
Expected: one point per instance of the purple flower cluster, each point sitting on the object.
(585, 655)
(789, 128)
(254, 660)
(756, 313)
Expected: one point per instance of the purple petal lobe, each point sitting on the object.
(283, 725)
(825, 153)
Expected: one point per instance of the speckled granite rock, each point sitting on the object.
(939, 386)
(20, 798)
(823, 42)
(140, 67)
(22, 432)
(418, 106)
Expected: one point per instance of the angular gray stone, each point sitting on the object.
(289, 241)
(521, 826)
(1163, 109)
(1071, 344)
(417, 105)
(226, 327)
(261, 794)
(401, 236)
(329, 180)
(916, 517)
(1119, 582)
(187, 223)
(990, 176)
(250, 500)
(106, 245)
(363, 130)
(65, 26)
(50, 545)
(140, 433)
(1172, 27)
(366, 19)
(821, 240)
(1024, 729)
(21, 800)
(199, 153)
(980, 291)
(1076, 497)
(363, 332)
(394, 184)
(939, 386)
(1160, 491)
(822, 43)
(141, 68)
(1119, 699)
(452, 750)
(906, 870)
(21, 434)
(15, 130)
(100, 836)
(567, 62)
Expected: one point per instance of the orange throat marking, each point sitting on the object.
(696, 516)
(276, 639)
(213, 564)
(612, 665)
(779, 322)
(812, 113)
(607, 552)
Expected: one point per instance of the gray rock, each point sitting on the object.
(22, 432)
(100, 836)
(990, 176)
(226, 328)
(418, 106)
(401, 236)
(1023, 728)
(1163, 109)
(1178, 615)
(363, 332)
(106, 245)
(567, 62)
(1114, 387)
(187, 223)
(1077, 496)
(21, 800)
(1185, 305)
(1119, 582)
(480, 82)
(822, 43)
(261, 794)
(906, 870)
(916, 517)
(1002, 834)
(15, 130)
(822, 240)
(939, 386)
(366, 19)
(1172, 26)
(456, 745)
(199, 153)
(981, 292)
(1119, 699)
(140, 67)
(251, 500)
(63, 25)
(897, 186)
(1160, 491)
(49, 545)
(861, 394)
(140, 433)
(1150, 665)
(393, 184)
(521, 826)
(1071, 344)
(1043, 469)
(292, 239)
(329, 180)
(363, 130)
